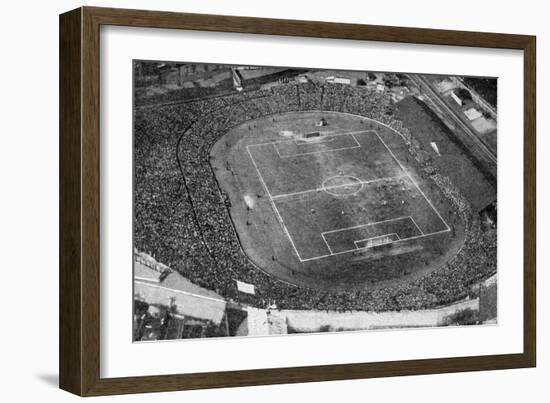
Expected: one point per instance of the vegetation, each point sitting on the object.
(465, 317)
(485, 87)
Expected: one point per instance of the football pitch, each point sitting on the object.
(338, 206)
(342, 192)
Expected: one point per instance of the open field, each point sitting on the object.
(343, 207)
(454, 161)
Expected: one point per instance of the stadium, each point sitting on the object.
(314, 193)
(332, 209)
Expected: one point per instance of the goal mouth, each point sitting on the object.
(342, 185)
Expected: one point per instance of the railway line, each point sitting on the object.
(466, 132)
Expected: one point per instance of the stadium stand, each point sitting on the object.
(181, 217)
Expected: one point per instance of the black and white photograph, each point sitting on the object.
(283, 200)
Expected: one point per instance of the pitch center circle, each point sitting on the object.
(342, 185)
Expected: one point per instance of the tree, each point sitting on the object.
(464, 94)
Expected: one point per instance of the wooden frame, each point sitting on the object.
(79, 201)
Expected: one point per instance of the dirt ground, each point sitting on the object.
(268, 244)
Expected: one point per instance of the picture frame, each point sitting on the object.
(79, 254)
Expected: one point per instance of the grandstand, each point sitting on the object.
(191, 220)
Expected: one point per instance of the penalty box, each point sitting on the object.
(286, 166)
(330, 143)
(364, 236)
(386, 205)
(393, 210)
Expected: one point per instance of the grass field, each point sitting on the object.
(343, 207)
(346, 188)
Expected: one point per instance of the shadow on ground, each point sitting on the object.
(49, 379)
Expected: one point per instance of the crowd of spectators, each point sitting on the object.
(154, 95)
(181, 217)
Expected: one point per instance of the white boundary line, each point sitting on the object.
(414, 222)
(413, 181)
(359, 144)
(283, 195)
(273, 204)
(180, 292)
(313, 152)
(327, 135)
(375, 237)
(304, 142)
(276, 147)
(391, 243)
(423, 235)
(366, 225)
(356, 227)
(328, 245)
(146, 279)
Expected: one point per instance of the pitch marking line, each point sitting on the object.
(413, 181)
(273, 204)
(355, 227)
(422, 235)
(414, 222)
(283, 195)
(355, 139)
(328, 246)
(302, 141)
(322, 234)
(357, 145)
(365, 225)
(326, 135)
(313, 152)
(355, 250)
(374, 237)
